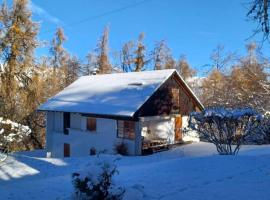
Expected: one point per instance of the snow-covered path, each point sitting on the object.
(188, 172)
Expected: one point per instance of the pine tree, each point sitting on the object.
(184, 68)
(170, 63)
(127, 57)
(59, 59)
(161, 54)
(17, 44)
(251, 85)
(140, 57)
(221, 59)
(73, 70)
(214, 88)
(247, 84)
(57, 50)
(103, 62)
(21, 85)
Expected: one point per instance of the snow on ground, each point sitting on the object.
(189, 172)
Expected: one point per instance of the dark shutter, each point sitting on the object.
(66, 150)
(91, 124)
(66, 122)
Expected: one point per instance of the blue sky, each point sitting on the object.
(190, 27)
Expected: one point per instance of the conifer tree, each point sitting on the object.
(213, 88)
(250, 80)
(140, 57)
(73, 70)
(127, 57)
(59, 58)
(184, 68)
(245, 85)
(103, 61)
(161, 54)
(17, 44)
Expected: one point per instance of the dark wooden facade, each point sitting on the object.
(173, 97)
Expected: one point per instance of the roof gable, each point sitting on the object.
(120, 94)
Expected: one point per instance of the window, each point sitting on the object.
(91, 124)
(66, 123)
(126, 129)
(175, 98)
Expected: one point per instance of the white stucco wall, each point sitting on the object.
(158, 127)
(81, 140)
(163, 127)
(190, 136)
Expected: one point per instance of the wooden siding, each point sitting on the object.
(163, 101)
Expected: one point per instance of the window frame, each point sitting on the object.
(126, 133)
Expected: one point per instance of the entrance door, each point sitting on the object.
(66, 150)
(178, 128)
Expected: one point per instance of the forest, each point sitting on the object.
(26, 80)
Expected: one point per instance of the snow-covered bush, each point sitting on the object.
(12, 134)
(263, 131)
(227, 129)
(96, 182)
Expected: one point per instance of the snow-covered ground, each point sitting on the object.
(189, 172)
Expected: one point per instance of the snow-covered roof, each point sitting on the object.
(119, 94)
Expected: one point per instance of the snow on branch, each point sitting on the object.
(12, 133)
(96, 182)
(227, 129)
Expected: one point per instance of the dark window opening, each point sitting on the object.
(66, 122)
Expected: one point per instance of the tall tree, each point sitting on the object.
(57, 50)
(17, 44)
(59, 59)
(127, 57)
(170, 63)
(222, 60)
(21, 86)
(214, 88)
(184, 68)
(103, 61)
(250, 79)
(247, 84)
(73, 70)
(140, 57)
(161, 54)
(133, 55)
(258, 12)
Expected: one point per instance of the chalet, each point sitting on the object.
(143, 110)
